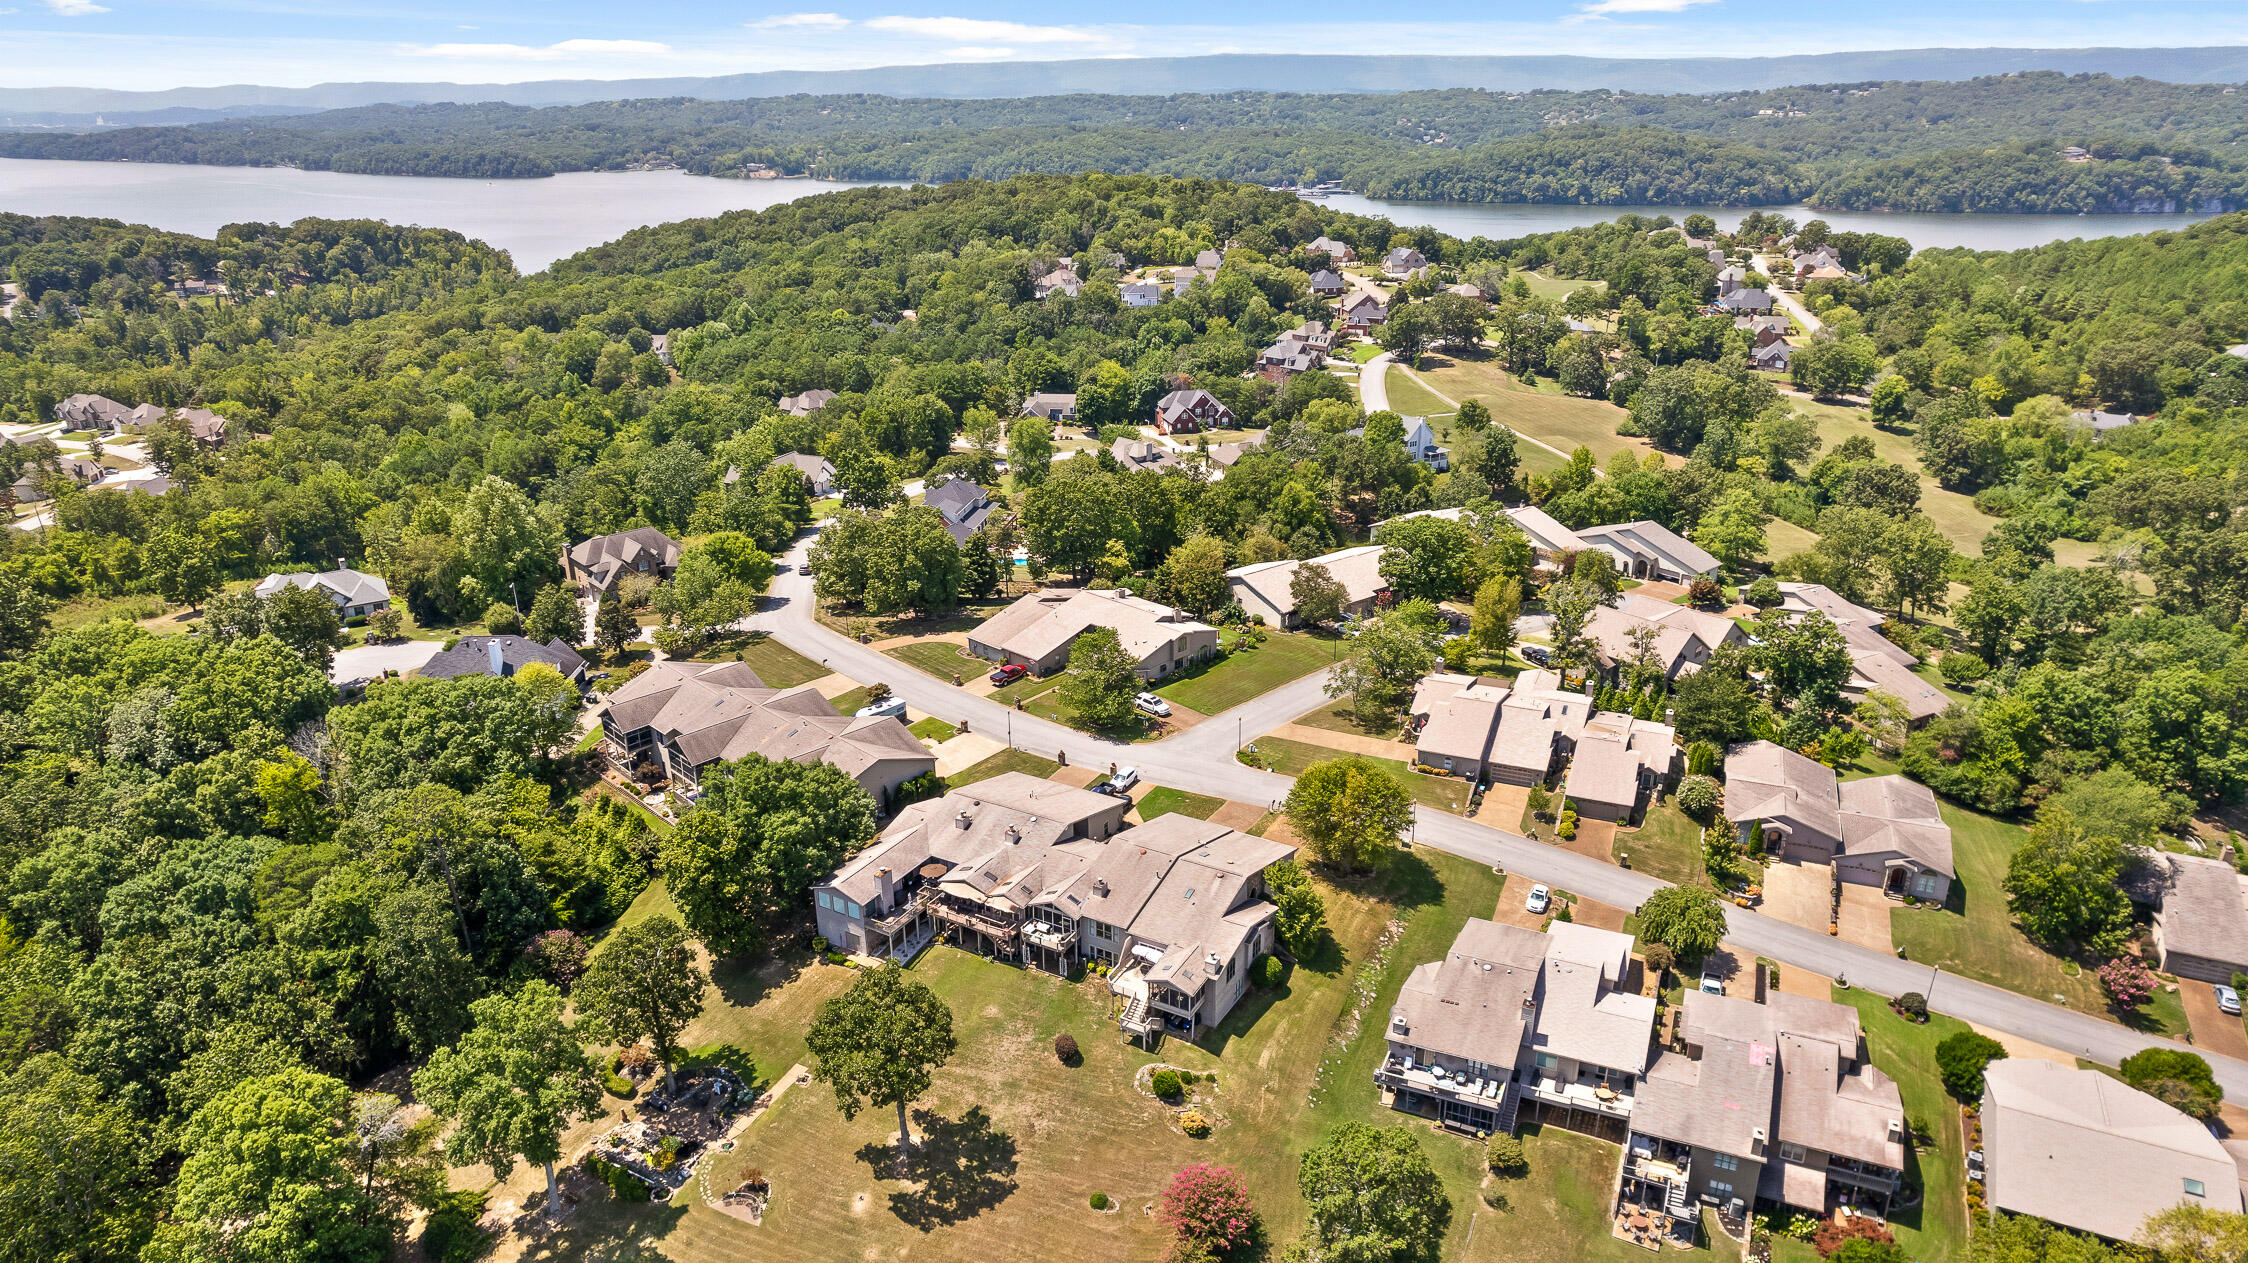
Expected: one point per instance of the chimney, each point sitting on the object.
(1398, 1024)
(964, 819)
(1212, 964)
(889, 887)
(499, 660)
(340, 565)
(1756, 1142)
(1896, 1130)
(1100, 885)
(1014, 835)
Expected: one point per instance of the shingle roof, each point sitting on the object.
(604, 555)
(1613, 752)
(721, 711)
(349, 587)
(1358, 569)
(1767, 782)
(1043, 621)
(962, 503)
(472, 655)
(809, 402)
(2203, 911)
(1890, 813)
(1645, 538)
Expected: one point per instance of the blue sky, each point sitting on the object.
(172, 43)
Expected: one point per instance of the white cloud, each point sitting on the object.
(1605, 7)
(982, 31)
(565, 50)
(979, 52)
(74, 8)
(812, 21)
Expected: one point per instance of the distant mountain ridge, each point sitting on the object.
(1260, 72)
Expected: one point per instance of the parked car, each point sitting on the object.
(1123, 781)
(806, 568)
(1536, 654)
(2228, 1000)
(1540, 899)
(1152, 704)
(1712, 984)
(1010, 673)
(891, 705)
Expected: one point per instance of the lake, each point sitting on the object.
(539, 221)
(1925, 232)
(535, 221)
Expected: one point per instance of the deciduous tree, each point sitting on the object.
(750, 851)
(1373, 1196)
(881, 1043)
(644, 984)
(1350, 813)
(513, 1084)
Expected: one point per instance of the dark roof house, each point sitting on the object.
(962, 503)
(503, 656)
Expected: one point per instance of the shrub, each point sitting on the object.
(1540, 801)
(500, 619)
(623, 1184)
(1165, 1083)
(1659, 958)
(1504, 1155)
(1960, 668)
(1266, 972)
(1194, 1124)
(1568, 826)
(1914, 1005)
(1686, 919)
(838, 958)
(1698, 797)
(1098, 1201)
(1764, 593)
(1702, 758)
(560, 957)
(1207, 1208)
(451, 1234)
(2177, 1078)
(1834, 1234)
(1960, 1059)
(1704, 591)
(819, 945)
(1066, 1050)
(2127, 981)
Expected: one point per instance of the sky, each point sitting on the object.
(149, 44)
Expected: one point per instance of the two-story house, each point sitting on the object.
(596, 565)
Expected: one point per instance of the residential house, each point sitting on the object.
(1774, 1101)
(1512, 1020)
(1141, 294)
(2075, 153)
(1055, 406)
(1876, 662)
(2094, 1154)
(1263, 588)
(1746, 301)
(92, 412)
(206, 427)
(1420, 440)
(660, 343)
(1683, 638)
(1327, 284)
(676, 719)
(1884, 831)
(1037, 631)
(1772, 357)
(1650, 550)
(1186, 411)
(1286, 358)
(1574, 325)
(1487, 731)
(1475, 292)
(818, 472)
(1362, 313)
(503, 656)
(962, 503)
(1226, 455)
(31, 488)
(354, 595)
(1730, 278)
(806, 404)
(2200, 918)
(1061, 280)
(1620, 765)
(1335, 251)
(1024, 870)
(1142, 454)
(1314, 336)
(1209, 261)
(1764, 330)
(1403, 261)
(595, 565)
(2100, 423)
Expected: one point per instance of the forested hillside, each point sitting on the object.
(1855, 146)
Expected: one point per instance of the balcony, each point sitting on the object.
(1440, 1082)
(1582, 1095)
(975, 919)
(1046, 934)
(907, 911)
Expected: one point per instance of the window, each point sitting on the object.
(1725, 1162)
(1926, 884)
(1719, 1188)
(851, 909)
(1791, 1151)
(2194, 1188)
(1229, 971)
(823, 899)
(1547, 1063)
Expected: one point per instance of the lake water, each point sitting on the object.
(539, 221)
(1925, 232)
(535, 221)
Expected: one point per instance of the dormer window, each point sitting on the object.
(2195, 1188)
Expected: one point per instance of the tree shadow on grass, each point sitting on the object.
(964, 1166)
(602, 1228)
(744, 980)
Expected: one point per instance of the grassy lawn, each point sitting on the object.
(933, 729)
(655, 822)
(1953, 513)
(1008, 760)
(1290, 758)
(1246, 674)
(1337, 716)
(967, 618)
(1936, 1230)
(1555, 287)
(849, 703)
(1408, 397)
(1028, 687)
(1163, 800)
(778, 665)
(1667, 845)
(1566, 421)
(1360, 352)
(940, 658)
(1974, 933)
(1017, 1141)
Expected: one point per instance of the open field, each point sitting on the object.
(1290, 758)
(1409, 397)
(1554, 287)
(1953, 513)
(1546, 414)
(1251, 673)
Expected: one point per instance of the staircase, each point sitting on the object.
(1510, 1105)
(1135, 1011)
(1675, 1202)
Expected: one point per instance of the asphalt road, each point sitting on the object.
(1199, 760)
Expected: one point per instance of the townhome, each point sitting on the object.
(1774, 1101)
(1487, 731)
(355, 595)
(676, 719)
(1882, 831)
(1027, 871)
(595, 566)
(2093, 1154)
(1513, 1021)
(1038, 630)
(1265, 588)
(1620, 764)
(1186, 411)
(1681, 638)
(1876, 662)
(1650, 550)
(806, 404)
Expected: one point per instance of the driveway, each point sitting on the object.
(1788, 302)
(1865, 917)
(365, 662)
(2214, 1030)
(1798, 894)
(1200, 760)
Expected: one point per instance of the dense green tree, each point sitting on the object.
(643, 983)
(1373, 1196)
(1350, 813)
(1102, 681)
(881, 1043)
(555, 616)
(1689, 920)
(747, 856)
(75, 1167)
(513, 1084)
(2064, 884)
(1030, 450)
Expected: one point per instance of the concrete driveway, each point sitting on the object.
(1865, 917)
(365, 662)
(1798, 894)
(2213, 1028)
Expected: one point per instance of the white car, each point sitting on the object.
(891, 705)
(1540, 899)
(1152, 704)
(1712, 984)
(1124, 780)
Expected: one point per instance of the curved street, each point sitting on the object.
(1200, 760)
